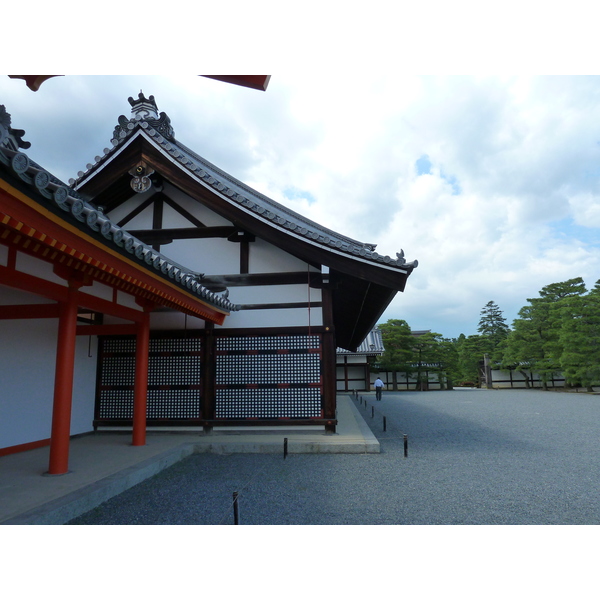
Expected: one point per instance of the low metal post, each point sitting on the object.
(285, 447)
(405, 445)
(236, 509)
(372, 411)
(384, 424)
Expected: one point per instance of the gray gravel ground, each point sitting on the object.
(475, 457)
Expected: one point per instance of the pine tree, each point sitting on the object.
(579, 339)
(535, 342)
(492, 325)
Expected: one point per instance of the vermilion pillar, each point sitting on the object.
(140, 393)
(63, 383)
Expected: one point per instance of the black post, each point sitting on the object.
(405, 445)
(372, 411)
(236, 509)
(285, 448)
(384, 424)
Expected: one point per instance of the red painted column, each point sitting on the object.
(63, 383)
(140, 393)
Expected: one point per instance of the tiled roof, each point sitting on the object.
(91, 219)
(372, 345)
(157, 128)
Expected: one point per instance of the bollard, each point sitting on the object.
(405, 445)
(372, 411)
(284, 448)
(384, 424)
(236, 509)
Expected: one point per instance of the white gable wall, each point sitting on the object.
(218, 256)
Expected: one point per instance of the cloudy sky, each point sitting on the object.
(491, 182)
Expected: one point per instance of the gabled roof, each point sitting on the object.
(366, 280)
(157, 130)
(64, 206)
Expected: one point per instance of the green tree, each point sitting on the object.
(535, 342)
(470, 351)
(579, 338)
(426, 356)
(397, 341)
(492, 325)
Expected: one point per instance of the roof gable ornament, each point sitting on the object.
(141, 174)
(145, 112)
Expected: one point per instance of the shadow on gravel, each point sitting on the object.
(433, 429)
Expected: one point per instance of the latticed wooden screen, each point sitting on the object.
(268, 377)
(174, 379)
(256, 377)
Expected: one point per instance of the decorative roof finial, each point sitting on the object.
(143, 108)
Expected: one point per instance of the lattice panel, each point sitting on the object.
(268, 377)
(174, 379)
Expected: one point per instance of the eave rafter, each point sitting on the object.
(65, 249)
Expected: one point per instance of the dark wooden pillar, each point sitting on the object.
(209, 371)
(329, 362)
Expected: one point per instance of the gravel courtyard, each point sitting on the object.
(475, 457)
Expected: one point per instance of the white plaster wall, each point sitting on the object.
(266, 258)
(201, 212)
(27, 352)
(174, 320)
(141, 221)
(261, 294)
(39, 268)
(27, 364)
(213, 256)
(289, 317)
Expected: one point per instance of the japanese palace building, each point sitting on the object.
(155, 289)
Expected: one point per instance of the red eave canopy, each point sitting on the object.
(35, 231)
(255, 82)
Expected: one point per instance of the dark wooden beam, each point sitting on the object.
(166, 236)
(250, 279)
(280, 305)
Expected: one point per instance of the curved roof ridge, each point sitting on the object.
(161, 132)
(256, 194)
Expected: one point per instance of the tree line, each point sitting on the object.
(557, 332)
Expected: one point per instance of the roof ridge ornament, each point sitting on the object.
(13, 138)
(144, 112)
(143, 107)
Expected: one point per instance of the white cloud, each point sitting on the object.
(515, 161)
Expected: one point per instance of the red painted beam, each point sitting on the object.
(106, 330)
(256, 82)
(59, 293)
(29, 311)
(24, 210)
(34, 81)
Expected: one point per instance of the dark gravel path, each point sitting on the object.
(474, 457)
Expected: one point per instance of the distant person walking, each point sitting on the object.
(378, 388)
